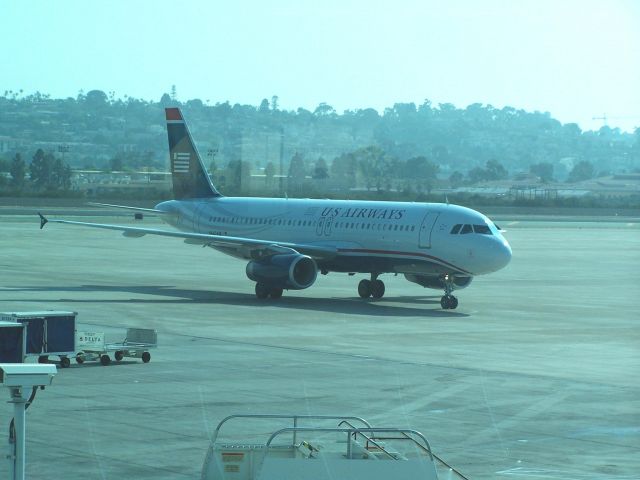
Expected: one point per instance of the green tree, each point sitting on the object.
(40, 169)
(297, 168)
(96, 99)
(583, 170)
(18, 171)
(60, 175)
(374, 164)
(269, 172)
(324, 110)
(264, 106)
(237, 175)
(321, 169)
(456, 179)
(495, 170)
(477, 174)
(422, 172)
(345, 167)
(116, 163)
(544, 170)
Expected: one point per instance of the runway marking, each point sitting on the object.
(557, 474)
(526, 414)
(424, 400)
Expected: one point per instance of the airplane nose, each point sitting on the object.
(497, 255)
(502, 255)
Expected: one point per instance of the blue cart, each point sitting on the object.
(48, 333)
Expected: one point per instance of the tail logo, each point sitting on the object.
(181, 162)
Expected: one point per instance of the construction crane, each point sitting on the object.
(604, 118)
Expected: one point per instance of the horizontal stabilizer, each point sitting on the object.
(126, 207)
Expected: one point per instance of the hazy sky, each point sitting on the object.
(576, 59)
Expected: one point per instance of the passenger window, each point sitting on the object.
(482, 229)
(466, 229)
(456, 229)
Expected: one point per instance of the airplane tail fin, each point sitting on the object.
(190, 179)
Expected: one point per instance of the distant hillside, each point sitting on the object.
(96, 128)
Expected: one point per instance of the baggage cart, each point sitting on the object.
(13, 342)
(48, 333)
(136, 344)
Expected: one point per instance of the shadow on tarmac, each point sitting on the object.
(347, 305)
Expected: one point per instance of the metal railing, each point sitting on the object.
(353, 432)
(295, 419)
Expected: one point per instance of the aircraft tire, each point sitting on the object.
(262, 291)
(377, 289)
(448, 302)
(276, 293)
(453, 303)
(364, 288)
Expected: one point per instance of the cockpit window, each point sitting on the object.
(456, 228)
(483, 229)
(466, 229)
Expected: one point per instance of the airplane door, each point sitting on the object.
(426, 228)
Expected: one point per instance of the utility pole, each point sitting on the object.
(281, 183)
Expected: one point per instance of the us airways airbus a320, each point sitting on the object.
(288, 241)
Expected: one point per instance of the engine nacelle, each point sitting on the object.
(289, 270)
(436, 282)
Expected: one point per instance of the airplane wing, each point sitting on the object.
(245, 247)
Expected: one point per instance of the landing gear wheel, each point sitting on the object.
(118, 355)
(276, 293)
(448, 302)
(364, 288)
(377, 289)
(454, 303)
(65, 362)
(146, 357)
(79, 359)
(262, 291)
(105, 360)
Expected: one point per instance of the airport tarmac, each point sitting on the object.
(534, 376)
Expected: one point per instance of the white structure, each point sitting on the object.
(23, 381)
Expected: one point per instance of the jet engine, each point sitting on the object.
(437, 282)
(289, 270)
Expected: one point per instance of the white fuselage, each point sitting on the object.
(370, 236)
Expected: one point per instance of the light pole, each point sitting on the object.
(64, 148)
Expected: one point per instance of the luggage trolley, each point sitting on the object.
(137, 343)
(48, 332)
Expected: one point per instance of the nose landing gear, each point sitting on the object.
(371, 288)
(448, 301)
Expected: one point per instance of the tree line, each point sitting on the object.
(44, 174)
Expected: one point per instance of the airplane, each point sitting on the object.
(288, 241)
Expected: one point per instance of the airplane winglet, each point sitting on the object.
(43, 220)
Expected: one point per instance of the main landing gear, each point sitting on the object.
(448, 301)
(371, 288)
(263, 291)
